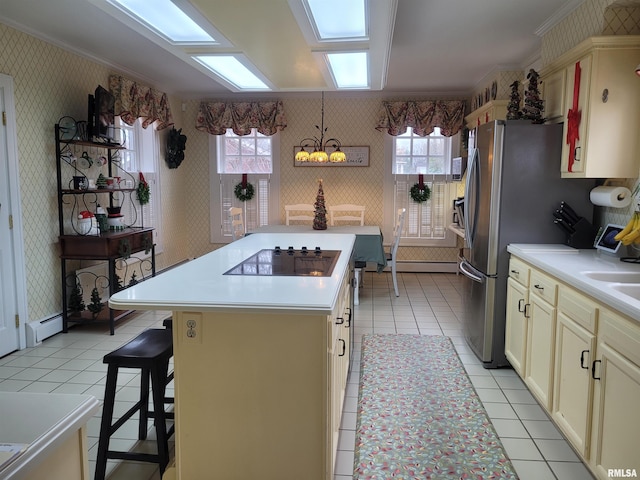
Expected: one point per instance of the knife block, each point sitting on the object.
(584, 236)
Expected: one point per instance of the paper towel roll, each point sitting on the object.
(608, 196)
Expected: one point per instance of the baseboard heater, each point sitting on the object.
(39, 330)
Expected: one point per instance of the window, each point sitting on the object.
(410, 155)
(231, 157)
(140, 154)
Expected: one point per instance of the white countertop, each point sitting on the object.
(570, 265)
(201, 286)
(41, 421)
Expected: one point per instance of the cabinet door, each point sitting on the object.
(573, 386)
(516, 328)
(540, 349)
(579, 150)
(554, 96)
(616, 419)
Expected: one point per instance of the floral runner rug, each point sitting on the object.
(419, 416)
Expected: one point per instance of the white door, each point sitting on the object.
(9, 331)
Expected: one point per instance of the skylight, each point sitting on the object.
(166, 19)
(350, 69)
(233, 71)
(338, 19)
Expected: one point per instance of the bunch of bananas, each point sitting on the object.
(631, 233)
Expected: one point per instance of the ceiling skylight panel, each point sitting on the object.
(338, 19)
(350, 69)
(164, 17)
(231, 69)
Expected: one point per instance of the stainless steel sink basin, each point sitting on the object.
(614, 277)
(631, 290)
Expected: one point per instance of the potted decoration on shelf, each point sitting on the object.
(76, 304)
(96, 306)
(513, 108)
(533, 105)
(101, 181)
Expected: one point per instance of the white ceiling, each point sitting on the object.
(417, 46)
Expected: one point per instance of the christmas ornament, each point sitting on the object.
(513, 108)
(533, 104)
(244, 190)
(320, 215)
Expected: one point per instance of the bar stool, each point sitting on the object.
(150, 351)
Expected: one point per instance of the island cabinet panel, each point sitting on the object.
(260, 395)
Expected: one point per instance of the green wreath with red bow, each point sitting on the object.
(244, 190)
(420, 192)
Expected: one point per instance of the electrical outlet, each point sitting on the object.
(192, 328)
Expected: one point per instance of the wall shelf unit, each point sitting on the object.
(122, 241)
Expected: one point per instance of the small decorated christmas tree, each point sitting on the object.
(533, 104)
(96, 305)
(320, 217)
(513, 108)
(134, 280)
(75, 300)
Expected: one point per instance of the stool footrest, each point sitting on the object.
(137, 456)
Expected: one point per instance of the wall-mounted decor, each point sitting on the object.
(356, 157)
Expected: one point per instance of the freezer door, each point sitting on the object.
(483, 189)
(478, 293)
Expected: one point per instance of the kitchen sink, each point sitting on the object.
(615, 277)
(631, 290)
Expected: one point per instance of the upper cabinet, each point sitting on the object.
(490, 111)
(593, 90)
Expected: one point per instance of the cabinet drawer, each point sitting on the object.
(544, 286)
(519, 271)
(578, 308)
(621, 333)
(106, 246)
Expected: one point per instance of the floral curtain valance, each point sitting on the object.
(423, 117)
(133, 101)
(216, 117)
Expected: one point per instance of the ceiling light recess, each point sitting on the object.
(349, 69)
(352, 15)
(167, 20)
(234, 69)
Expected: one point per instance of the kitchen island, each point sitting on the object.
(260, 361)
(44, 435)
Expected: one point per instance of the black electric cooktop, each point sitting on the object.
(287, 262)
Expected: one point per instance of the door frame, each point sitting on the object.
(15, 207)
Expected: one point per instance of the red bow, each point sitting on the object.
(573, 119)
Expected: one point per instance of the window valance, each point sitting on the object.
(216, 117)
(423, 117)
(133, 101)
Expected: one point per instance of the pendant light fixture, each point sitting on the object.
(319, 145)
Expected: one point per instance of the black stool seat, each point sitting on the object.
(168, 322)
(150, 351)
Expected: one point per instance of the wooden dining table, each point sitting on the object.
(368, 247)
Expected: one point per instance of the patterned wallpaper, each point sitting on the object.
(51, 82)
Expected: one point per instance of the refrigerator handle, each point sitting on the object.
(472, 191)
(468, 271)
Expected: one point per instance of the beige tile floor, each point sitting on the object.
(428, 305)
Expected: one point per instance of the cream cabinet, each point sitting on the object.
(257, 392)
(607, 97)
(490, 111)
(516, 321)
(541, 336)
(616, 374)
(574, 353)
(582, 364)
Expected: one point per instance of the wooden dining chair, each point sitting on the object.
(300, 212)
(393, 251)
(237, 223)
(346, 213)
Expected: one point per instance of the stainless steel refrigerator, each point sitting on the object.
(513, 186)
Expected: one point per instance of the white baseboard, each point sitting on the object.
(39, 330)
